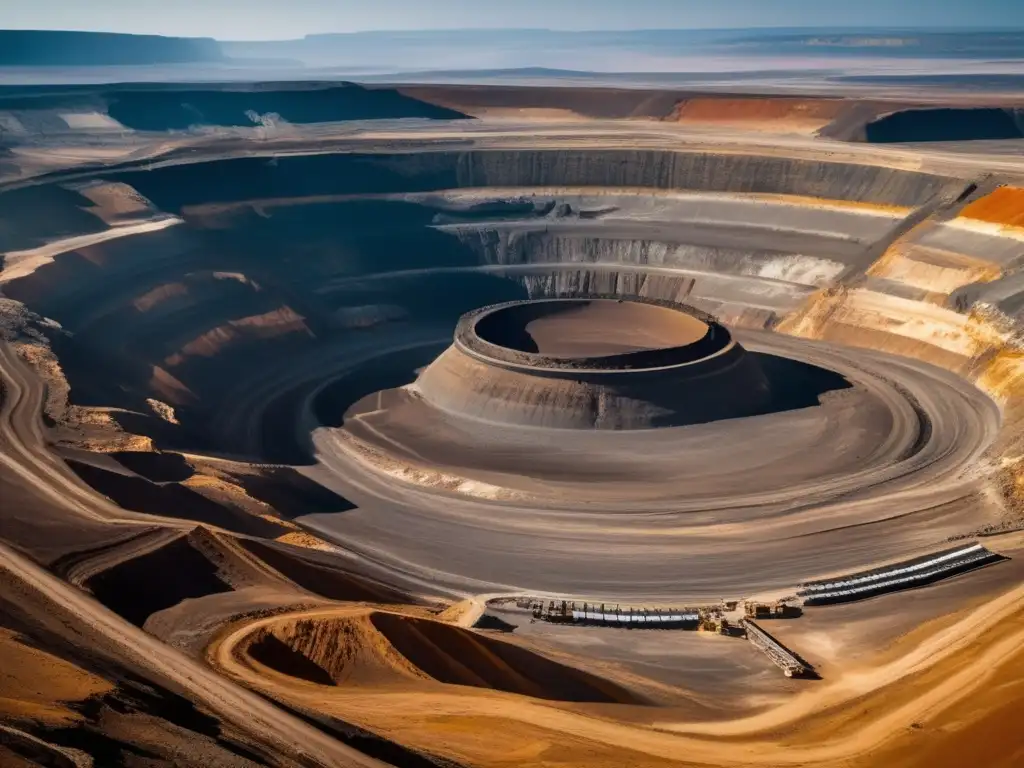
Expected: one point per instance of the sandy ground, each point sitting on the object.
(606, 328)
(22, 263)
(21, 433)
(815, 729)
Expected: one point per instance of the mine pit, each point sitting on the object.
(374, 392)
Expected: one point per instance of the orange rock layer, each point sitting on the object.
(1003, 206)
(808, 114)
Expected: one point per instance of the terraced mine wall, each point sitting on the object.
(495, 331)
(726, 383)
(835, 117)
(170, 311)
(176, 186)
(908, 574)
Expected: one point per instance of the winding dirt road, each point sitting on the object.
(23, 454)
(746, 741)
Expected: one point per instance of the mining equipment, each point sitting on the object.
(555, 611)
(776, 610)
(790, 664)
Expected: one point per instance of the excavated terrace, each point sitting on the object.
(300, 309)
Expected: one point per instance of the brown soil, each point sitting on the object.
(65, 689)
(595, 328)
(172, 500)
(141, 586)
(321, 574)
(158, 295)
(36, 685)
(290, 493)
(982, 731)
(115, 203)
(227, 494)
(602, 103)
(305, 541)
(278, 322)
(384, 648)
(270, 651)
(760, 113)
(157, 571)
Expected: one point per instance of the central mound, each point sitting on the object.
(582, 328)
(594, 363)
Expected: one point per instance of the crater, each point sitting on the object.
(583, 328)
(572, 368)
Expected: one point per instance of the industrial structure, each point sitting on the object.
(898, 576)
(790, 664)
(780, 609)
(567, 612)
(720, 618)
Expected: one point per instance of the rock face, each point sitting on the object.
(184, 279)
(594, 364)
(175, 187)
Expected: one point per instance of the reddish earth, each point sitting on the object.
(1003, 206)
(790, 114)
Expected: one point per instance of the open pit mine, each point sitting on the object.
(504, 426)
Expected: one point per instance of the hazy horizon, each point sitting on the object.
(268, 20)
(440, 30)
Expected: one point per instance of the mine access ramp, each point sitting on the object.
(790, 664)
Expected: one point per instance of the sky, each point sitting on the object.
(289, 19)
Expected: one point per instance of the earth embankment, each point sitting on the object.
(378, 648)
(174, 187)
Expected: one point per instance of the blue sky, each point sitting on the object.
(282, 19)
